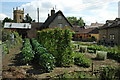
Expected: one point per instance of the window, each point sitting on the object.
(60, 25)
(59, 17)
(112, 36)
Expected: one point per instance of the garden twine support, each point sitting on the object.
(92, 68)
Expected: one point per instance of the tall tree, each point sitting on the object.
(75, 21)
(81, 22)
(72, 20)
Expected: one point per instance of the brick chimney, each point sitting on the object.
(52, 12)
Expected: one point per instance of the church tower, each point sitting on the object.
(18, 15)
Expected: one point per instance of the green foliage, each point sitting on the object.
(81, 60)
(7, 20)
(8, 41)
(75, 21)
(5, 49)
(112, 52)
(80, 22)
(47, 62)
(110, 73)
(28, 19)
(27, 52)
(44, 59)
(6, 35)
(58, 43)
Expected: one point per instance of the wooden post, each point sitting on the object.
(92, 68)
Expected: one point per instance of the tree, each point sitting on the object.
(75, 21)
(28, 19)
(7, 20)
(72, 20)
(80, 22)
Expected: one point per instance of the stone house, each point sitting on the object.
(110, 32)
(56, 20)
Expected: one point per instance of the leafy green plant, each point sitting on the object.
(5, 49)
(81, 60)
(47, 62)
(44, 59)
(27, 52)
(110, 73)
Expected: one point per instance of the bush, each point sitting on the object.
(47, 62)
(58, 43)
(101, 55)
(81, 60)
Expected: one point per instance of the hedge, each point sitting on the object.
(57, 42)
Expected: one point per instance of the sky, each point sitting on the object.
(90, 10)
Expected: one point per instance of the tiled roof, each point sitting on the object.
(111, 24)
(79, 30)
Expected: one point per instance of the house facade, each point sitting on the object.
(56, 20)
(110, 32)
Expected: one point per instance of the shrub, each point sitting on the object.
(101, 55)
(47, 62)
(81, 60)
(58, 43)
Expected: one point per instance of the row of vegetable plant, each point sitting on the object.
(81, 60)
(112, 52)
(42, 57)
(27, 52)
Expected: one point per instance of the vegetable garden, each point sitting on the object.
(53, 48)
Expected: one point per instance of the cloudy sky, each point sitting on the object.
(90, 10)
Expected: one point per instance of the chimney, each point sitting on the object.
(38, 14)
(52, 12)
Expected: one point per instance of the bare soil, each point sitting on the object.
(13, 69)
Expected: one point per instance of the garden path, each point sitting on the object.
(100, 63)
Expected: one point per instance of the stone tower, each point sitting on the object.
(18, 15)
